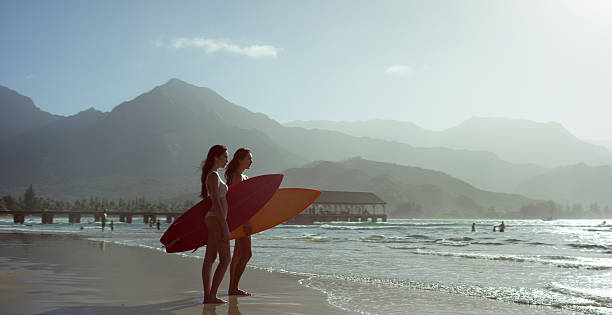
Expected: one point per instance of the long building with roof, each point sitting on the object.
(344, 206)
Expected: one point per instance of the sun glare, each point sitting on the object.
(596, 11)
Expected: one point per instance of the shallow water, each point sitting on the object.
(562, 264)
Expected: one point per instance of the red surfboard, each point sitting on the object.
(244, 199)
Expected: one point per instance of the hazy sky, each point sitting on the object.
(435, 63)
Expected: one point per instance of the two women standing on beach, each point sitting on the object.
(215, 220)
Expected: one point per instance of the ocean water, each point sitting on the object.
(377, 267)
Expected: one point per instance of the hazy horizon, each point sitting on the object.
(433, 63)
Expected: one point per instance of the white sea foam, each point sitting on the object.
(561, 264)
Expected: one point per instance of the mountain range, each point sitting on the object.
(577, 183)
(436, 193)
(160, 136)
(20, 115)
(514, 140)
(152, 146)
(604, 143)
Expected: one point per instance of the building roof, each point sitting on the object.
(349, 197)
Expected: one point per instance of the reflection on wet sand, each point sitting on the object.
(211, 309)
(157, 308)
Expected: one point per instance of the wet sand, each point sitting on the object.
(53, 274)
(56, 274)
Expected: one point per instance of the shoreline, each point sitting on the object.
(59, 274)
(71, 273)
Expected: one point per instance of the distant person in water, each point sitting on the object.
(112, 225)
(473, 227)
(494, 227)
(158, 225)
(215, 220)
(103, 219)
(502, 227)
(241, 161)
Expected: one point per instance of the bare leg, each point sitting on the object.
(210, 256)
(224, 260)
(233, 264)
(243, 247)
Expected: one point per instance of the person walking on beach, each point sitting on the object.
(215, 220)
(241, 161)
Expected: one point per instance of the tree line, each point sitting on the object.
(30, 202)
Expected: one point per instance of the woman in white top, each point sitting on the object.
(241, 161)
(218, 231)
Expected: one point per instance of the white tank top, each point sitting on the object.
(222, 192)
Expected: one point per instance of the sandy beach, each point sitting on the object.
(53, 274)
(67, 274)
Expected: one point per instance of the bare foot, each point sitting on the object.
(238, 292)
(213, 300)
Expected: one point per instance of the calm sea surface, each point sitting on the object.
(376, 267)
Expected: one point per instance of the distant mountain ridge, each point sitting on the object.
(20, 115)
(604, 143)
(481, 169)
(513, 140)
(151, 146)
(391, 130)
(162, 134)
(309, 145)
(575, 183)
(165, 133)
(439, 194)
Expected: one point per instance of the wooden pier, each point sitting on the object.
(74, 216)
(343, 206)
(330, 206)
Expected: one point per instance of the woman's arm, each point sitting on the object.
(212, 184)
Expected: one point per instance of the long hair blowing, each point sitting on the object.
(233, 165)
(215, 151)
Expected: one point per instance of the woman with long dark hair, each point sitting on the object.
(218, 231)
(241, 161)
